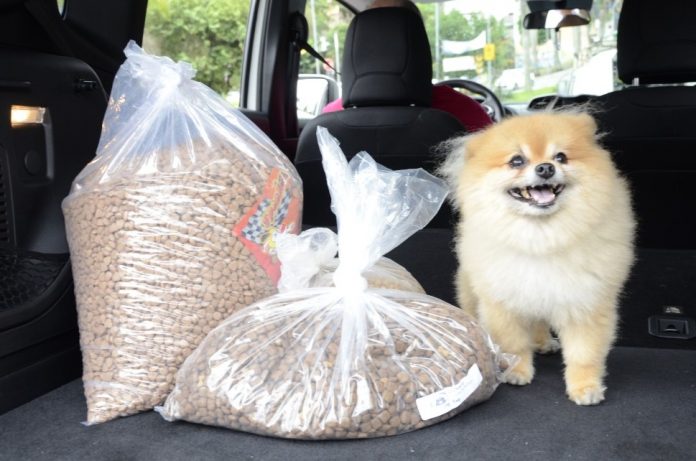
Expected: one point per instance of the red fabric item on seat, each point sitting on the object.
(465, 109)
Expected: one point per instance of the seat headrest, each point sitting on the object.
(657, 41)
(387, 60)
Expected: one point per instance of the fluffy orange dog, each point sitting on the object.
(545, 242)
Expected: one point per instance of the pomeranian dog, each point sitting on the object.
(545, 242)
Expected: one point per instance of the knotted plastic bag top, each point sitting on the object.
(159, 121)
(376, 208)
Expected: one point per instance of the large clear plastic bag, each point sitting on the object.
(346, 361)
(170, 229)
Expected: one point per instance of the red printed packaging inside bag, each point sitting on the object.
(277, 210)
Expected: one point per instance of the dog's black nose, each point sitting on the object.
(545, 170)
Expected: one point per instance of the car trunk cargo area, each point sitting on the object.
(649, 411)
(649, 414)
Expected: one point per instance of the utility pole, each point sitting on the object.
(437, 42)
(489, 63)
(524, 35)
(317, 69)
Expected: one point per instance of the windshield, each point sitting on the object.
(484, 41)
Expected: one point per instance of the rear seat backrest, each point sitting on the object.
(387, 92)
(651, 130)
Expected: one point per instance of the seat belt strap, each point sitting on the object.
(314, 53)
(299, 32)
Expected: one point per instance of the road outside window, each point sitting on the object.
(484, 41)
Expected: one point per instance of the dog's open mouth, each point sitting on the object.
(542, 195)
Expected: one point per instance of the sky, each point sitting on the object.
(496, 8)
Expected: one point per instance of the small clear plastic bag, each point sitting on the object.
(344, 361)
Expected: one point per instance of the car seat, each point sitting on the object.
(387, 90)
(650, 128)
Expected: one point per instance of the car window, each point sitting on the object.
(482, 41)
(318, 83)
(485, 41)
(207, 33)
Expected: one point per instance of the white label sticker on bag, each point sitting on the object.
(440, 402)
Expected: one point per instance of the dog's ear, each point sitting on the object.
(588, 122)
(583, 116)
(452, 155)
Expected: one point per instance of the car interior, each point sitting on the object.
(57, 65)
(389, 92)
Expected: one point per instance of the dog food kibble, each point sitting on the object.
(385, 273)
(290, 367)
(160, 259)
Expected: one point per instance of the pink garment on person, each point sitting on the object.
(465, 109)
(333, 106)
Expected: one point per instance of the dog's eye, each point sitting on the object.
(517, 161)
(561, 157)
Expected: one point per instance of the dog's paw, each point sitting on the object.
(521, 375)
(550, 345)
(587, 395)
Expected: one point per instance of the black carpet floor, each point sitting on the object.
(649, 414)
